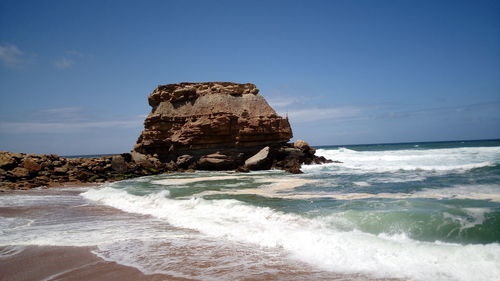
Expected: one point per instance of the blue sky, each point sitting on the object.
(75, 75)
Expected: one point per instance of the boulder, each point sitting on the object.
(304, 146)
(61, 170)
(260, 161)
(184, 161)
(20, 172)
(127, 157)
(118, 164)
(7, 160)
(217, 161)
(32, 166)
(142, 159)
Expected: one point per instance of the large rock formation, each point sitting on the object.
(217, 126)
(202, 118)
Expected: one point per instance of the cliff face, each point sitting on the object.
(211, 116)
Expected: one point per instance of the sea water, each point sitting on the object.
(419, 211)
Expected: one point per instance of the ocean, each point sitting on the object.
(413, 211)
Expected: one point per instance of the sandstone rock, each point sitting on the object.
(292, 152)
(171, 166)
(295, 169)
(127, 157)
(242, 169)
(17, 156)
(184, 161)
(97, 169)
(145, 160)
(304, 146)
(32, 166)
(300, 144)
(260, 161)
(216, 161)
(209, 116)
(7, 160)
(61, 170)
(20, 172)
(83, 175)
(118, 164)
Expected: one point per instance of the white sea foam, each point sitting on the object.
(11, 250)
(312, 240)
(475, 216)
(197, 256)
(271, 187)
(285, 188)
(361, 183)
(474, 192)
(184, 181)
(60, 228)
(438, 160)
(35, 200)
(8, 224)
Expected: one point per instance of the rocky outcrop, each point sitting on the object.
(23, 171)
(217, 126)
(203, 118)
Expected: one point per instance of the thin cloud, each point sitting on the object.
(64, 63)
(11, 55)
(72, 113)
(63, 110)
(64, 127)
(469, 108)
(282, 102)
(68, 60)
(67, 119)
(325, 113)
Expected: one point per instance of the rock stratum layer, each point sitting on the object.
(211, 116)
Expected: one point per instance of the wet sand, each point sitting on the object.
(67, 263)
(47, 263)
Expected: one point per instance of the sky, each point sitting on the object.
(75, 75)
